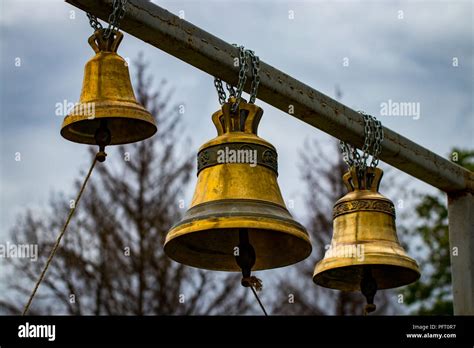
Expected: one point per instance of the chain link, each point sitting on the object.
(377, 148)
(220, 90)
(373, 137)
(117, 14)
(346, 153)
(230, 89)
(93, 22)
(367, 140)
(255, 76)
(244, 57)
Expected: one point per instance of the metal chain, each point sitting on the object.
(93, 22)
(220, 90)
(367, 140)
(346, 150)
(230, 89)
(373, 137)
(379, 136)
(255, 76)
(232, 93)
(350, 155)
(244, 56)
(117, 14)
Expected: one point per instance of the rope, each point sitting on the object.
(58, 240)
(255, 285)
(259, 302)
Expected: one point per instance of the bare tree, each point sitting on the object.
(111, 260)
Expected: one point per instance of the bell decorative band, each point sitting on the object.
(239, 153)
(363, 205)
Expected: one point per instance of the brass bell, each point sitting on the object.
(365, 254)
(107, 99)
(237, 218)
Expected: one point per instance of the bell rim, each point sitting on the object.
(233, 222)
(110, 111)
(110, 106)
(402, 262)
(174, 238)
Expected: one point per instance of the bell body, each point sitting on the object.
(364, 239)
(107, 95)
(237, 194)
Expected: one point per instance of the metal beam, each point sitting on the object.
(204, 51)
(461, 240)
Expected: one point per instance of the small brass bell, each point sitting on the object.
(237, 218)
(107, 100)
(365, 254)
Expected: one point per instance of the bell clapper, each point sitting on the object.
(102, 139)
(368, 287)
(246, 260)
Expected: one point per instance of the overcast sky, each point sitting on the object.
(407, 51)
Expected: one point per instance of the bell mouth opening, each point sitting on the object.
(123, 129)
(348, 278)
(215, 248)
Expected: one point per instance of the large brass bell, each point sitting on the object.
(365, 254)
(107, 99)
(237, 203)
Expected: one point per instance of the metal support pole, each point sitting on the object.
(461, 240)
(194, 46)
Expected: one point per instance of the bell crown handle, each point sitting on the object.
(367, 180)
(375, 177)
(100, 44)
(245, 119)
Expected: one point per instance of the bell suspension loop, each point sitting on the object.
(115, 17)
(235, 94)
(373, 137)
